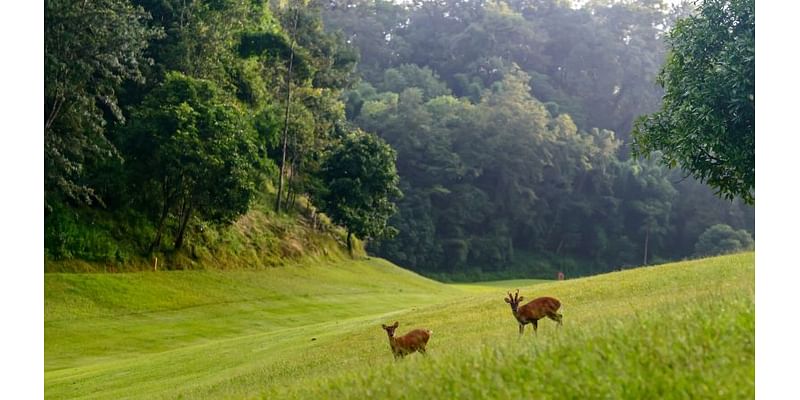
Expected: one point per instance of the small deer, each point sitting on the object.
(416, 340)
(535, 310)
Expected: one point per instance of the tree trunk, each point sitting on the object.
(286, 119)
(289, 186)
(291, 194)
(182, 230)
(156, 244)
(646, 242)
(57, 103)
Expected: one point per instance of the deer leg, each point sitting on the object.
(535, 326)
(421, 351)
(521, 329)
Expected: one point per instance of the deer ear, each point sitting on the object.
(521, 298)
(384, 326)
(396, 324)
(507, 300)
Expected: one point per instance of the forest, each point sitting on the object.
(462, 139)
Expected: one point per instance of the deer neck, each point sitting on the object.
(517, 315)
(393, 341)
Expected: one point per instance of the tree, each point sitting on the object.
(649, 195)
(362, 183)
(410, 75)
(304, 68)
(511, 121)
(697, 208)
(721, 239)
(288, 108)
(707, 120)
(191, 151)
(91, 48)
(372, 27)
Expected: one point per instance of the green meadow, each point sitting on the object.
(681, 330)
(492, 286)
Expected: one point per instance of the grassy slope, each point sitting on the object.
(683, 330)
(102, 241)
(680, 330)
(492, 286)
(95, 323)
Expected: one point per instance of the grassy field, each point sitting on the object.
(492, 286)
(683, 330)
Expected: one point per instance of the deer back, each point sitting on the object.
(539, 308)
(413, 340)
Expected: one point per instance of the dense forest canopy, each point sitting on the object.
(512, 123)
(166, 116)
(480, 138)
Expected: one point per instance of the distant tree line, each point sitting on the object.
(512, 124)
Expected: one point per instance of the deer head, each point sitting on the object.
(390, 328)
(514, 300)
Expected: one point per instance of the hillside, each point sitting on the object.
(677, 330)
(683, 330)
(86, 240)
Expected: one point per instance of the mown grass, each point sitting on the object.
(93, 318)
(491, 286)
(683, 330)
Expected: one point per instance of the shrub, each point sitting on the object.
(722, 239)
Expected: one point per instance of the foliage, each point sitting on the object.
(511, 123)
(170, 111)
(192, 153)
(707, 121)
(93, 236)
(361, 186)
(257, 240)
(321, 65)
(411, 76)
(596, 62)
(721, 239)
(91, 49)
(485, 182)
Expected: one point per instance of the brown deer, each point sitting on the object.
(535, 310)
(416, 340)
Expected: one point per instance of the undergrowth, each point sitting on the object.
(96, 240)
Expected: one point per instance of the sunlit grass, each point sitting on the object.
(682, 330)
(491, 286)
(91, 318)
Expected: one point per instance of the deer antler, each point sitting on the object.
(516, 296)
